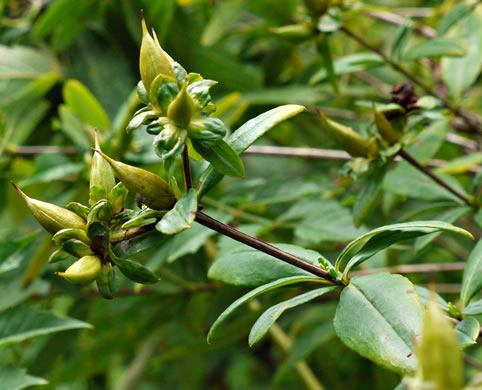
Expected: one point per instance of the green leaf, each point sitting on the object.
(385, 236)
(224, 17)
(73, 127)
(403, 35)
(181, 217)
(21, 323)
(450, 216)
(84, 104)
(58, 172)
(469, 30)
(467, 332)
(246, 135)
(371, 185)
(246, 266)
(455, 14)
(349, 64)
(380, 326)
(221, 156)
(269, 317)
(253, 294)
(135, 271)
(325, 51)
(472, 278)
(473, 309)
(437, 47)
(16, 378)
(13, 252)
(323, 220)
(425, 295)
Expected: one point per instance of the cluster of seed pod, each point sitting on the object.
(178, 104)
(85, 231)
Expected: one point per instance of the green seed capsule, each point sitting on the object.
(152, 60)
(346, 138)
(385, 128)
(100, 175)
(83, 271)
(153, 189)
(53, 218)
(181, 108)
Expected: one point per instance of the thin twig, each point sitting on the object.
(470, 119)
(472, 362)
(260, 245)
(187, 168)
(435, 178)
(326, 154)
(398, 20)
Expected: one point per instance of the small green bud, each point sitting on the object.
(181, 108)
(170, 141)
(153, 189)
(100, 175)
(153, 60)
(106, 282)
(346, 138)
(53, 218)
(83, 271)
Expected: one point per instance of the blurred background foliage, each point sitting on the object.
(67, 67)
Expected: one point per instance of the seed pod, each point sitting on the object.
(83, 271)
(346, 138)
(153, 189)
(152, 60)
(385, 128)
(181, 108)
(53, 218)
(100, 175)
(317, 7)
(294, 32)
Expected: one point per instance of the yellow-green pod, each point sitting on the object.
(385, 128)
(83, 271)
(346, 138)
(153, 189)
(152, 60)
(100, 175)
(180, 110)
(438, 353)
(53, 218)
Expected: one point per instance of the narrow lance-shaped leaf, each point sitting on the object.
(16, 378)
(472, 278)
(20, 323)
(269, 317)
(246, 135)
(438, 47)
(391, 234)
(253, 294)
(221, 156)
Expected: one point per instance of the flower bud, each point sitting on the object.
(181, 108)
(152, 60)
(83, 271)
(346, 138)
(53, 218)
(153, 189)
(100, 175)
